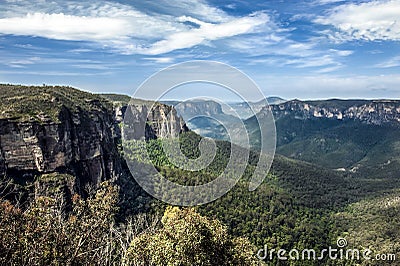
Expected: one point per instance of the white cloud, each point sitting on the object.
(161, 60)
(93, 66)
(299, 55)
(193, 8)
(230, 6)
(80, 50)
(376, 20)
(125, 28)
(328, 69)
(342, 52)
(22, 63)
(24, 46)
(327, 63)
(312, 61)
(271, 42)
(54, 73)
(209, 32)
(65, 27)
(96, 21)
(392, 62)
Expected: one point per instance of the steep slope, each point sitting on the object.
(157, 119)
(357, 136)
(296, 205)
(57, 129)
(48, 133)
(374, 112)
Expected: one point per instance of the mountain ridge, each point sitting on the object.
(370, 111)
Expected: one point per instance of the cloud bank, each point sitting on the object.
(130, 30)
(376, 20)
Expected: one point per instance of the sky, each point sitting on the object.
(310, 49)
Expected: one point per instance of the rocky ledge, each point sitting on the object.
(57, 129)
(376, 112)
(62, 131)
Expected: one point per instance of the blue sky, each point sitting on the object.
(310, 49)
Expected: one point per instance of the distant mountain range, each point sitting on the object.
(246, 110)
(358, 136)
(205, 117)
(209, 116)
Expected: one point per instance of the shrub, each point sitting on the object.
(187, 238)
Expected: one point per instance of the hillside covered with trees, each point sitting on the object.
(75, 202)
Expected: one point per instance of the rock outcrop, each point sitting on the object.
(199, 107)
(165, 122)
(61, 130)
(151, 121)
(376, 112)
(75, 133)
(78, 144)
(146, 118)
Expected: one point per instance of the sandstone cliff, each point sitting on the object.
(57, 129)
(376, 112)
(148, 120)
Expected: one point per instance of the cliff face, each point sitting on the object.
(165, 122)
(150, 121)
(199, 107)
(73, 133)
(64, 139)
(370, 112)
(196, 107)
(146, 118)
(81, 143)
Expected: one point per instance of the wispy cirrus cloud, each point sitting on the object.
(284, 52)
(22, 63)
(54, 73)
(208, 32)
(155, 30)
(324, 63)
(392, 62)
(329, 69)
(375, 20)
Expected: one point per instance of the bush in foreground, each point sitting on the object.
(187, 238)
(45, 234)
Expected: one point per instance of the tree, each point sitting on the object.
(187, 238)
(44, 234)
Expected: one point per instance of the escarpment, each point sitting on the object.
(373, 112)
(58, 131)
(152, 122)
